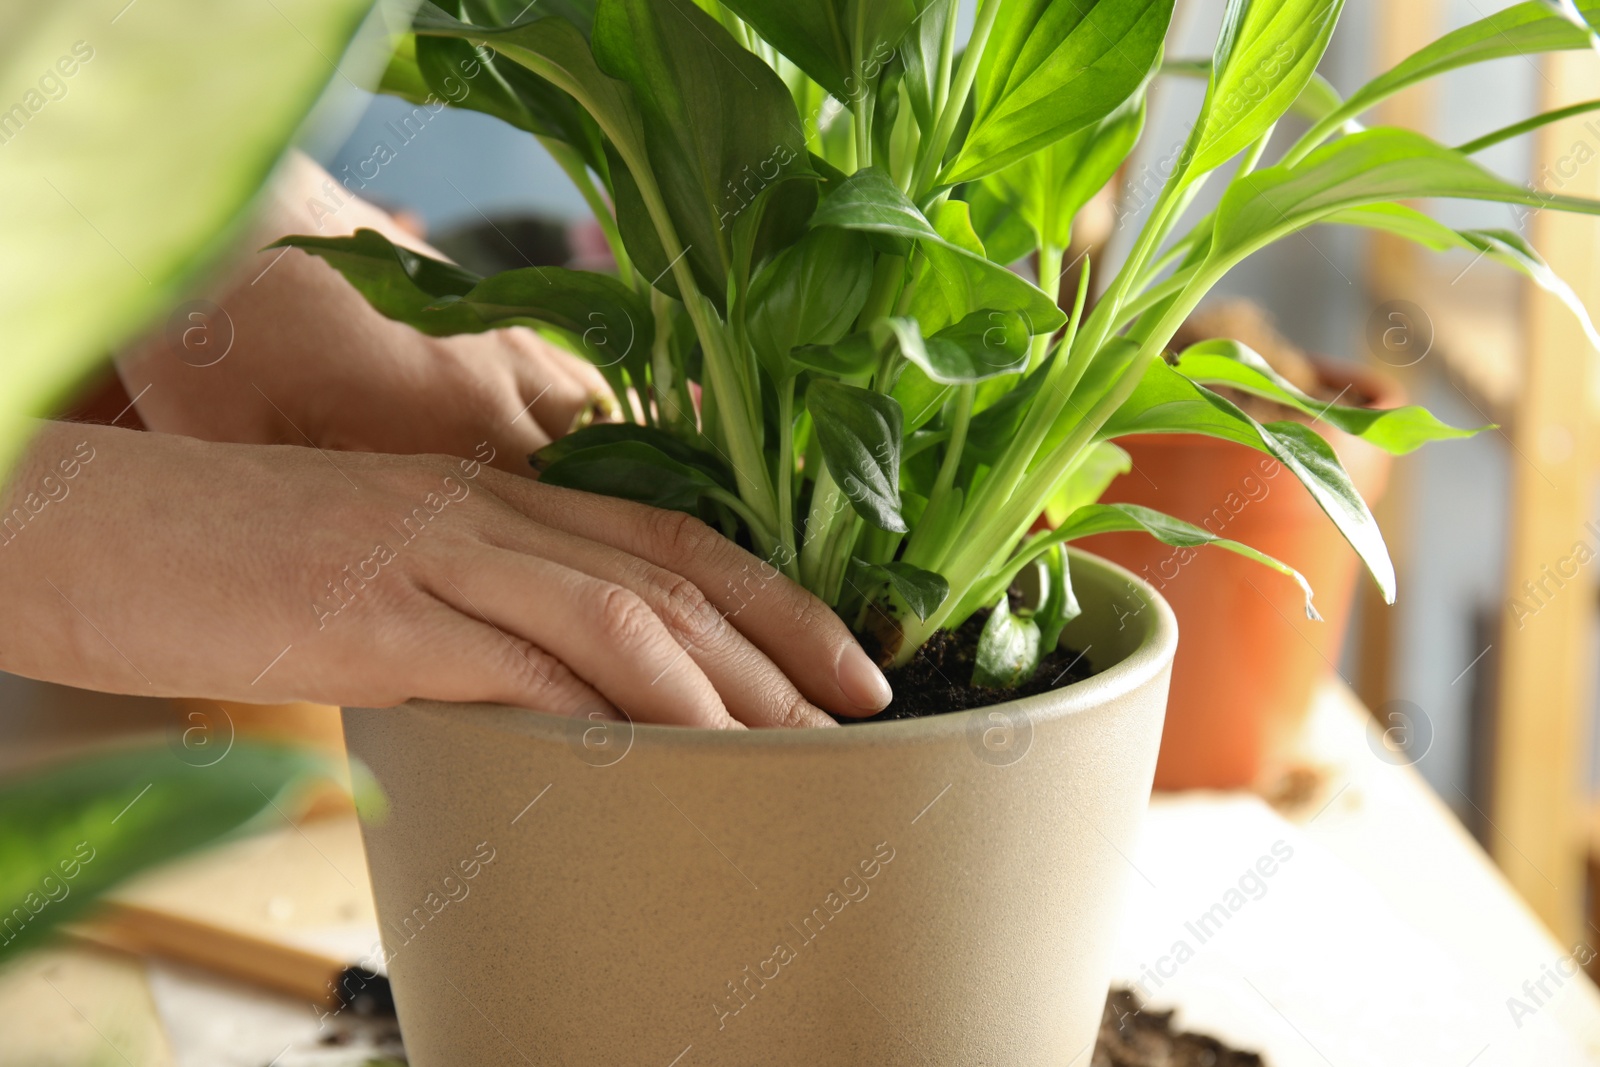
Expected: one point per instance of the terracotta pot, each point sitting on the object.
(942, 890)
(1250, 659)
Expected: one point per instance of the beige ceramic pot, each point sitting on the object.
(935, 891)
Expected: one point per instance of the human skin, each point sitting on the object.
(308, 361)
(167, 566)
(246, 565)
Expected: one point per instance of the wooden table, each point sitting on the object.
(1404, 890)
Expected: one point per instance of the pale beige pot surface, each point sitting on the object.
(938, 891)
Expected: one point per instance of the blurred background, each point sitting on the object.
(1485, 666)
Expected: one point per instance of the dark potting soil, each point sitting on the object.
(937, 681)
(1132, 1035)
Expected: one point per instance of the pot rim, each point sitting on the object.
(1154, 653)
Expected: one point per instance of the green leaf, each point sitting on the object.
(557, 51)
(108, 219)
(399, 283)
(608, 322)
(869, 201)
(922, 590)
(1505, 247)
(825, 37)
(919, 396)
(1521, 30)
(632, 470)
(860, 434)
(1397, 430)
(994, 427)
(1123, 518)
(401, 77)
(1317, 100)
(72, 831)
(1374, 166)
(1008, 649)
(954, 278)
(1266, 56)
(470, 76)
(601, 434)
(1528, 125)
(719, 127)
(1568, 10)
(919, 56)
(847, 358)
(1047, 189)
(1006, 236)
(1053, 67)
(984, 345)
(1167, 402)
(809, 294)
(1101, 466)
(1059, 605)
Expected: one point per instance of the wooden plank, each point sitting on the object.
(1541, 726)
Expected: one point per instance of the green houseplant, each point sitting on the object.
(817, 346)
(814, 206)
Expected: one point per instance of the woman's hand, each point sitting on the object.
(293, 354)
(157, 565)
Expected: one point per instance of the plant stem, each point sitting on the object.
(758, 528)
(939, 499)
(1050, 281)
(978, 549)
(933, 150)
(671, 395)
(947, 51)
(786, 476)
(1006, 474)
(827, 502)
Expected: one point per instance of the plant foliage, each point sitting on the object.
(816, 205)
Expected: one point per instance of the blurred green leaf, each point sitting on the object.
(72, 831)
(118, 193)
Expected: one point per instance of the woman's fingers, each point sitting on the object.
(754, 690)
(797, 631)
(463, 657)
(604, 632)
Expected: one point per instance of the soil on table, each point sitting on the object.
(937, 680)
(1132, 1035)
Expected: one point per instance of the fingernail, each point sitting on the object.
(863, 683)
